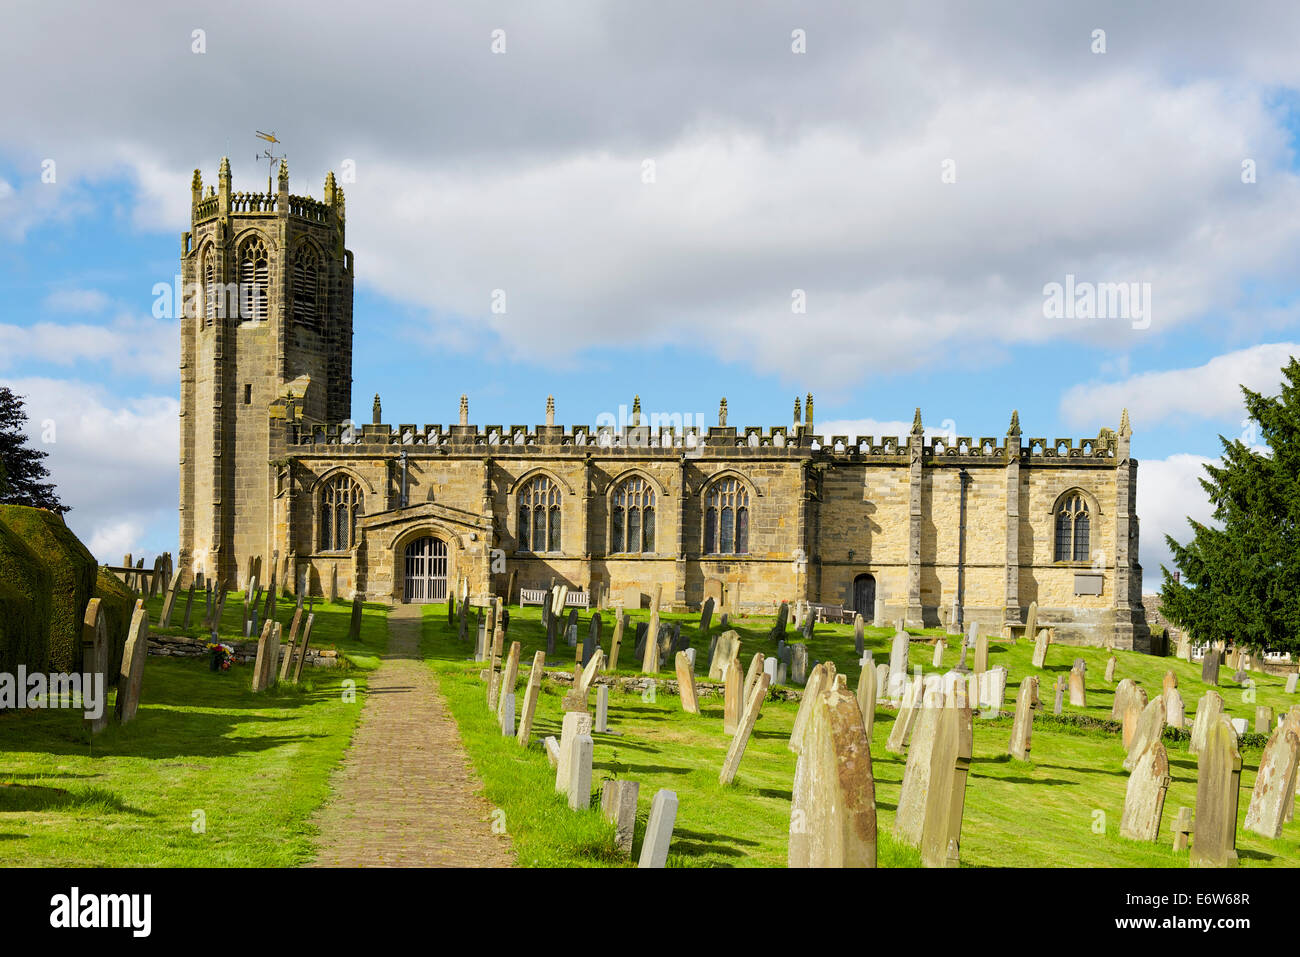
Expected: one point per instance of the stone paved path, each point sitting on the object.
(406, 794)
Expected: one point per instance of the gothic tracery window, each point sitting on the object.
(726, 518)
(340, 504)
(632, 519)
(306, 285)
(539, 515)
(1072, 530)
(212, 298)
(254, 281)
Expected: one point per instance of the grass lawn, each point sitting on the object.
(256, 766)
(1047, 812)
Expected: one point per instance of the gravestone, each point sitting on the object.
(909, 817)
(1208, 710)
(878, 614)
(571, 636)
(576, 699)
(509, 679)
(506, 716)
(1169, 682)
(618, 805)
(981, 654)
(638, 638)
(530, 699)
(940, 647)
(268, 656)
(706, 616)
(1136, 704)
(833, 805)
(728, 647)
(1273, 796)
(1149, 727)
(169, 603)
(601, 724)
(1210, 668)
(809, 624)
(1061, 682)
(302, 647)
(821, 679)
(1040, 649)
(95, 648)
(659, 830)
(1218, 780)
(1124, 691)
(576, 724)
(334, 584)
(1144, 798)
(1182, 829)
(859, 636)
(732, 701)
(1078, 688)
(686, 684)
(903, 721)
(751, 675)
(286, 667)
(189, 607)
(782, 617)
(1022, 729)
(650, 657)
(616, 643)
(898, 655)
(1263, 720)
(1291, 682)
(1031, 620)
(592, 644)
(1175, 712)
(799, 664)
(581, 751)
(740, 739)
(1110, 669)
(882, 682)
(946, 797)
(867, 688)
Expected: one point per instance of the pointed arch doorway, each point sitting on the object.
(864, 595)
(426, 570)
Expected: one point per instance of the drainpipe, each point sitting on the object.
(403, 478)
(961, 555)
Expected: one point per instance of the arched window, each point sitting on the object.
(213, 301)
(254, 281)
(539, 516)
(1072, 530)
(306, 285)
(726, 518)
(340, 504)
(632, 521)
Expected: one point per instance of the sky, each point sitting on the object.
(885, 205)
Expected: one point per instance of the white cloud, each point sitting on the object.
(130, 345)
(1168, 493)
(113, 460)
(1209, 391)
(76, 300)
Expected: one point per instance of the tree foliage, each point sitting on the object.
(22, 468)
(1241, 576)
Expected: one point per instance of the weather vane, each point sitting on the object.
(267, 155)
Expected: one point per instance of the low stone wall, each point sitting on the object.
(178, 646)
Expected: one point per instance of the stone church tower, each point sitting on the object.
(267, 315)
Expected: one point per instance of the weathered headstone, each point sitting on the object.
(1078, 688)
(882, 682)
(575, 724)
(1061, 683)
(740, 739)
(650, 658)
(506, 716)
(601, 724)
(509, 678)
(1136, 704)
(1263, 720)
(1144, 798)
(1291, 680)
(576, 699)
(1218, 780)
(1175, 711)
(940, 647)
(530, 699)
(909, 817)
(95, 647)
(618, 804)
(1040, 649)
(1031, 620)
(799, 664)
(833, 806)
(727, 648)
(1124, 691)
(286, 666)
(756, 665)
(782, 617)
(1273, 795)
(1182, 829)
(981, 654)
(659, 830)
(945, 800)
(867, 688)
(686, 684)
(581, 750)
(1149, 727)
(878, 613)
(706, 616)
(169, 603)
(733, 684)
(268, 656)
(859, 636)
(302, 648)
(898, 655)
(620, 625)
(906, 717)
(821, 679)
(1110, 669)
(1210, 668)
(1022, 729)
(1208, 710)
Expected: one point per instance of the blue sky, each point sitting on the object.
(920, 175)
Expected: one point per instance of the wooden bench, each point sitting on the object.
(577, 599)
(532, 596)
(830, 613)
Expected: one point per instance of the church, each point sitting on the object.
(956, 528)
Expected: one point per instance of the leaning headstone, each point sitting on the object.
(1150, 726)
(686, 684)
(189, 607)
(756, 665)
(1273, 795)
(1136, 704)
(581, 750)
(576, 699)
(618, 805)
(268, 656)
(552, 748)
(1210, 668)
(639, 639)
(1208, 710)
(576, 724)
(946, 798)
(509, 678)
(1031, 620)
(1022, 729)
(728, 648)
(650, 659)
(1040, 649)
(909, 818)
(659, 830)
(821, 679)
(782, 617)
(302, 647)
(286, 667)
(620, 625)
(95, 646)
(530, 699)
(907, 709)
(1124, 692)
(1169, 682)
(592, 643)
(740, 739)
(706, 615)
(169, 603)
(833, 805)
(1218, 779)
(1061, 682)
(1144, 798)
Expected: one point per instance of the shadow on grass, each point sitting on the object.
(27, 797)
